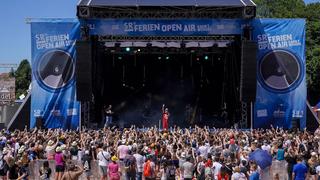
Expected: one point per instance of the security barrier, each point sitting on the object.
(278, 167)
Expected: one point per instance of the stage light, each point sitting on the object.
(198, 59)
(159, 57)
(206, 57)
(139, 50)
(127, 49)
(167, 58)
(119, 58)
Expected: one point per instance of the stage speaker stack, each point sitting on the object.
(39, 123)
(83, 70)
(248, 77)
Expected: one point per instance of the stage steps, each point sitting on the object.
(312, 119)
(22, 116)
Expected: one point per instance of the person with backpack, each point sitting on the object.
(171, 170)
(149, 169)
(130, 166)
(86, 161)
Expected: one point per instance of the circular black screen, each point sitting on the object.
(279, 69)
(55, 69)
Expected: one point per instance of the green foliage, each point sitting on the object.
(23, 77)
(311, 12)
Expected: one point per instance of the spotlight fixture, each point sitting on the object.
(127, 49)
(206, 57)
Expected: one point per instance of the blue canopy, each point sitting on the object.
(197, 3)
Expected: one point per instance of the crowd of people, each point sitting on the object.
(184, 154)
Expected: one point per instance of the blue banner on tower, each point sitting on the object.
(165, 27)
(281, 86)
(53, 98)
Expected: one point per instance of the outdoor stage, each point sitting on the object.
(211, 63)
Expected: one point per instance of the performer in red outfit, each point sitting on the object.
(165, 118)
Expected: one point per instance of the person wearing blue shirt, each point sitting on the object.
(299, 170)
(254, 175)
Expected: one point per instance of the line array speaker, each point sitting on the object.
(83, 70)
(248, 77)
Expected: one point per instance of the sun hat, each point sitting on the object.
(50, 143)
(114, 158)
(58, 149)
(21, 149)
(63, 147)
(74, 143)
(86, 152)
(183, 155)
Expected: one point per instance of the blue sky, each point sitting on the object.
(15, 33)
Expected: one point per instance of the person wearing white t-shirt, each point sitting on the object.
(203, 150)
(266, 146)
(103, 158)
(216, 166)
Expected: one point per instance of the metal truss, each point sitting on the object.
(165, 12)
(85, 114)
(244, 115)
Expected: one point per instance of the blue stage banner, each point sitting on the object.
(281, 86)
(164, 27)
(53, 98)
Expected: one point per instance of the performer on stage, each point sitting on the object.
(109, 113)
(165, 117)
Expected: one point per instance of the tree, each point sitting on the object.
(23, 77)
(297, 9)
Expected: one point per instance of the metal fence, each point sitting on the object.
(278, 167)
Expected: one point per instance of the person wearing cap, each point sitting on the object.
(59, 159)
(86, 162)
(50, 149)
(114, 169)
(74, 150)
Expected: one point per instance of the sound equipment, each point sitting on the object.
(248, 76)
(39, 123)
(295, 123)
(84, 70)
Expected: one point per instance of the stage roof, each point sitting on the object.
(166, 9)
(196, 3)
